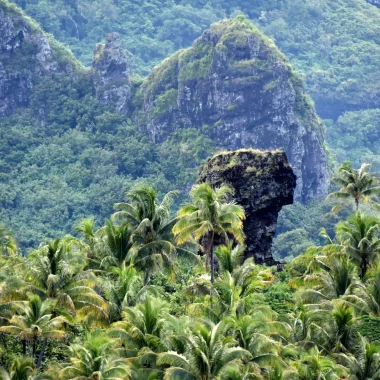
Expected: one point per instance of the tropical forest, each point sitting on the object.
(190, 190)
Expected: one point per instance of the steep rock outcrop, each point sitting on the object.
(235, 86)
(26, 54)
(263, 182)
(111, 73)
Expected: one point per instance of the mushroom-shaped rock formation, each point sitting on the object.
(111, 73)
(263, 182)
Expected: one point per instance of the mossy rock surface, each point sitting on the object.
(263, 182)
(235, 81)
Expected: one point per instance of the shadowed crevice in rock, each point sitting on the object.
(263, 183)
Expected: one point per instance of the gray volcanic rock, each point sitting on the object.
(111, 73)
(26, 53)
(263, 182)
(234, 85)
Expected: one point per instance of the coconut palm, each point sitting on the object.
(117, 243)
(95, 359)
(336, 333)
(331, 277)
(141, 326)
(360, 236)
(365, 297)
(229, 257)
(124, 287)
(33, 319)
(21, 369)
(8, 244)
(364, 364)
(312, 365)
(56, 271)
(150, 220)
(208, 355)
(356, 184)
(210, 215)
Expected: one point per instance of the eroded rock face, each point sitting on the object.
(235, 86)
(26, 53)
(263, 183)
(111, 73)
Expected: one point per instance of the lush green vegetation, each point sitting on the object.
(133, 300)
(82, 160)
(335, 43)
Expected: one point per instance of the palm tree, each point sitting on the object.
(336, 333)
(124, 287)
(208, 355)
(313, 365)
(332, 277)
(21, 369)
(150, 220)
(117, 241)
(356, 184)
(261, 334)
(141, 326)
(229, 257)
(33, 319)
(8, 244)
(57, 271)
(364, 364)
(95, 360)
(360, 235)
(210, 215)
(365, 298)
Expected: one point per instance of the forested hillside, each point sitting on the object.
(334, 43)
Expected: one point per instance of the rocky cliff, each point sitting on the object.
(263, 182)
(110, 73)
(27, 54)
(234, 85)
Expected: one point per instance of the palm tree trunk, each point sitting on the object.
(363, 268)
(357, 204)
(42, 352)
(212, 264)
(34, 348)
(146, 278)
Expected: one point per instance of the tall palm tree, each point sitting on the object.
(151, 223)
(209, 215)
(33, 319)
(360, 236)
(356, 184)
(95, 359)
(208, 355)
(21, 369)
(57, 271)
